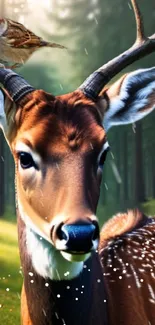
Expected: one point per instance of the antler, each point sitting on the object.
(142, 47)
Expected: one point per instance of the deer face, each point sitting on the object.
(58, 168)
(59, 146)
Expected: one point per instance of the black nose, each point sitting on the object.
(80, 238)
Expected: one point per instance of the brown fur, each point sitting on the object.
(24, 308)
(127, 259)
(63, 116)
(120, 224)
(69, 135)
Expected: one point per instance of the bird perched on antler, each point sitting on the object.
(17, 43)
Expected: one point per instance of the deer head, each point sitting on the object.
(59, 146)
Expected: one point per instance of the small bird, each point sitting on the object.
(17, 43)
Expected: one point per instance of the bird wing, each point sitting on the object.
(19, 36)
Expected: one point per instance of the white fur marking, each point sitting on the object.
(47, 261)
(116, 104)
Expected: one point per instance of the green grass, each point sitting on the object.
(149, 207)
(10, 276)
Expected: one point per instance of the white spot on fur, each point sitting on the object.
(30, 274)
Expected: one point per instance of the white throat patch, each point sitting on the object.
(47, 261)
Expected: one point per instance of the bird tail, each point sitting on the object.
(50, 44)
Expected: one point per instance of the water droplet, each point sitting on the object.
(86, 51)
(66, 273)
(46, 284)
(44, 312)
(56, 315)
(106, 186)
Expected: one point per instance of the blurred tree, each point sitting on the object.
(2, 182)
(138, 164)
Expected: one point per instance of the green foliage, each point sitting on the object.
(149, 207)
(10, 275)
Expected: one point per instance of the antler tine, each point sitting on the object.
(143, 46)
(139, 22)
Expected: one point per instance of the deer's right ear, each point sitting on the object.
(129, 99)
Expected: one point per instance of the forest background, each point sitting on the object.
(95, 31)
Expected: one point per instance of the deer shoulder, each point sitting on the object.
(127, 255)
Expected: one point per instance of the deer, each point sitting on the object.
(74, 273)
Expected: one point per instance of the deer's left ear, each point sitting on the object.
(129, 99)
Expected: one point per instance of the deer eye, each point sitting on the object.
(26, 160)
(103, 154)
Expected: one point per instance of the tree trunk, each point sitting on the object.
(139, 178)
(2, 199)
(153, 174)
(118, 163)
(125, 166)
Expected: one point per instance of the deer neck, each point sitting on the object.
(69, 302)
